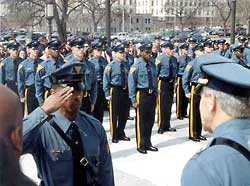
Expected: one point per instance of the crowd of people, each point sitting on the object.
(64, 89)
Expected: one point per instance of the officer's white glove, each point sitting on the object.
(108, 98)
(22, 100)
(188, 95)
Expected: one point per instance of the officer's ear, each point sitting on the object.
(52, 91)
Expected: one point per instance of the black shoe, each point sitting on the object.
(131, 118)
(152, 148)
(196, 139)
(142, 150)
(171, 130)
(202, 138)
(124, 138)
(114, 140)
(160, 131)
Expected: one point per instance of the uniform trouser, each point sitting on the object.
(118, 113)
(181, 100)
(13, 86)
(31, 102)
(86, 104)
(145, 117)
(165, 101)
(195, 126)
(99, 105)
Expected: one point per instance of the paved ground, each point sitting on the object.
(131, 168)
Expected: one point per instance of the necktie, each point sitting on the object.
(100, 68)
(123, 84)
(79, 171)
(73, 133)
(170, 73)
(150, 77)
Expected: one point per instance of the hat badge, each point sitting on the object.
(77, 69)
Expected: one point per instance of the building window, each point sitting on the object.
(137, 20)
(149, 21)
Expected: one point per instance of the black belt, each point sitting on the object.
(194, 83)
(179, 75)
(146, 90)
(30, 86)
(166, 79)
(11, 83)
(119, 87)
(232, 144)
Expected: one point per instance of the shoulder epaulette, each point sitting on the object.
(39, 68)
(188, 67)
(20, 66)
(108, 68)
(132, 70)
(157, 62)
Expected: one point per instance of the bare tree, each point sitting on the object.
(182, 13)
(96, 9)
(243, 13)
(35, 10)
(224, 9)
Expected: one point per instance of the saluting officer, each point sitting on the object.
(9, 67)
(115, 86)
(70, 147)
(26, 78)
(166, 67)
(142, 83)
(181, 99)
(100, 63)
(48, 66)
(78, 47)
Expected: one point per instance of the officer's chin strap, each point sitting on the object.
(228, 142)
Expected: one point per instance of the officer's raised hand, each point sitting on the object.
(56, 99)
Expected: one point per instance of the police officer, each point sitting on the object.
(100, 64)
(208, 46)
(9, 67)
(45, 68)
(221, 47)
(26, 78)
(189, 82)
(142, 83)
(237, 55)
(224, 109)
(78, 47)
(115, 86)
(70, 147)
(128, 57)
(192, 44)
(181, 99)
(166, 67)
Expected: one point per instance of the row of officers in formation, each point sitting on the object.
(146, 81)
(69, 146)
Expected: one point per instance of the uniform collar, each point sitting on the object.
(232, 126)
(63, 122)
